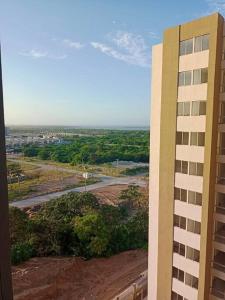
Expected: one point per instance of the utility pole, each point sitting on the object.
(5, 265)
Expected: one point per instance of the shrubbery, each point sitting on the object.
(21, 252)
(135, 171)
(75, 224)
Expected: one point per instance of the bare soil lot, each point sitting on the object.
(40, 182)
(110, 194)
(76, 279)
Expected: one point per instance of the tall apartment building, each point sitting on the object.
(187, 163)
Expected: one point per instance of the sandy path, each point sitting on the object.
(76, 279)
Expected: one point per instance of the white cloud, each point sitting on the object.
(58, 57)
(72, 44)
(127, 47)
(111, 52)
(34, 53)
(216, 5)
(153, 35)
(37, 54)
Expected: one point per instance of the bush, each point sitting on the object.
(93, 234)
(51, 237)
(21, 252)
(75, 224)
(135, 171)
(19, 225)
(65, 208)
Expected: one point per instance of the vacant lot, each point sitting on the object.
(74, 278)
(110, 194)
(41, 181)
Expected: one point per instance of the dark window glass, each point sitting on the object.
(204, 75)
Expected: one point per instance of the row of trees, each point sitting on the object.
(96, 149)
(75, 224)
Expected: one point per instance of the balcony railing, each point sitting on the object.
(221, 150)
(220, 179)
(219, 261)
(220, 235)
(221, 120)
(220, 209)
(219, 267)
(219, 239)
(219, 294)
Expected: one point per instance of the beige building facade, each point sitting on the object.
(187, 163)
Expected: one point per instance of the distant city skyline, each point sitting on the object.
(84, 63)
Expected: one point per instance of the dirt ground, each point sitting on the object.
(76, 279)
(40, 182)
(110, 194)
(56, 182)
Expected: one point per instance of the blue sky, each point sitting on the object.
(84, 62)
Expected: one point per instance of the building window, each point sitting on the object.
(193, 226)
(186, 47)
(200, 76)
(180, 222)
(197, 139)
(182, 138)
(191, 280)
(187, 224)
(176, 193)
(180, 194)
(178, 274)
(188, 196)
(194, 198)
(183, 195)
(197, 76)
(192, 254)
(198, 108)
(186, 108)
(175, 296)
(186, 251)
(179, 248)
(183, 108)
(195, 169)
(184, 78)
(201, 43)
(181, 166)
(204, 75)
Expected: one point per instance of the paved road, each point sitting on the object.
(106, 182)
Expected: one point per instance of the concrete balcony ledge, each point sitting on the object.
(182, 289)
(187, 265)
(219, 274)
(217, 294)
(188, 210)
(219, 215)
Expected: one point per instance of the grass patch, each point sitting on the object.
(135, 171)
